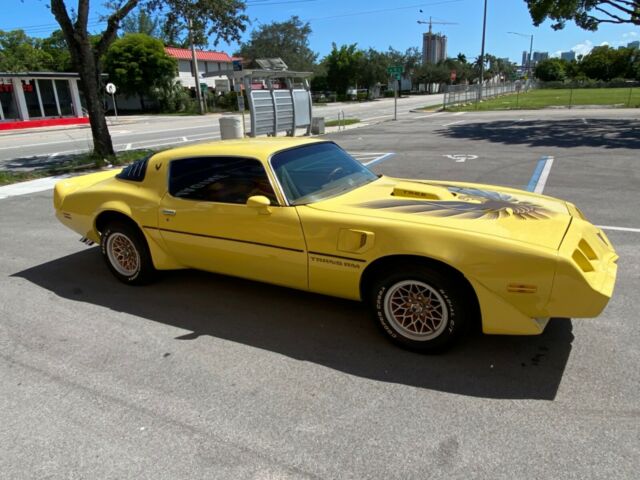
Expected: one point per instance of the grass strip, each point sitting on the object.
(565, 97)
(346, 121)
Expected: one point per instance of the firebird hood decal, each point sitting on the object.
(471, 203)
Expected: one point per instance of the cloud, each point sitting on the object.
(583, 48)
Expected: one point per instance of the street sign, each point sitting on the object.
(111, 90)
(204, 87)
(395, 72)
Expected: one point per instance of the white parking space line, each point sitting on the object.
(543, 177)
(540, 175)
(381, 158)
(619, 229)
(452, 123)
(458, 114)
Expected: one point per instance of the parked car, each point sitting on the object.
(429, 258)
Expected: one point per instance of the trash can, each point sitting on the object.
(317, 125)
(231, 127)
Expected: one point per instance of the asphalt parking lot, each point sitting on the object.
(204, 376)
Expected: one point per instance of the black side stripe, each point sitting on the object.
(225, 238)
(338, 256)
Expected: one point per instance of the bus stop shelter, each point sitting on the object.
(279, 100)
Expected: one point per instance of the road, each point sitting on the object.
(18, 149)
(207, 377)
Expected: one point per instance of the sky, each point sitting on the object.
(380, 24)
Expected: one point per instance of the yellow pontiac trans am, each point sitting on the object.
(429, 258)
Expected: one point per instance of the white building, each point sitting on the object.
(208, 62)
(39, 96)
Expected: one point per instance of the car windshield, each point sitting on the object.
(318, 171)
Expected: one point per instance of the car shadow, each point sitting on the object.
(335, 333)
(563, 133)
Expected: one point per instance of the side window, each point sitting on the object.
(219, 179)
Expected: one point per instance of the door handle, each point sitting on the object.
(168, 211)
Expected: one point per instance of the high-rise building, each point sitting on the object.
(568, 56)
(539, 56)
(525, 59)
(635, 44)
(434, 47)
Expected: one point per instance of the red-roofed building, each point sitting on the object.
(208, 62)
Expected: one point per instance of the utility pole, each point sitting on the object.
(530, 58)
(194, 60)
(484, 31)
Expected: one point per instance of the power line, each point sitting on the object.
(266, 3)
(408, 7)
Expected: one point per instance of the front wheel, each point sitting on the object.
(422, 310)
(126, 254)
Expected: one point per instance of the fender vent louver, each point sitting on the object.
(134, 172)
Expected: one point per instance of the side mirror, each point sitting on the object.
(260, 203)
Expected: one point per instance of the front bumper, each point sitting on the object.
(586, 272)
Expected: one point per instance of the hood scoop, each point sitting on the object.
(422, 191)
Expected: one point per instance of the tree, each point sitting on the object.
(210, 17)
(551, 70)
(141, 21)
(431, 73)
(372, 68)
(55, 46)
(288, 40)
(606, 63)
(587, 14)
(138, 65)
(220, 19)
(343, 67)
(21, 53)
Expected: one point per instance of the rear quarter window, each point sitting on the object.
(136, 171)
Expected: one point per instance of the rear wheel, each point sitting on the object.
(420, 309)
(126, 253)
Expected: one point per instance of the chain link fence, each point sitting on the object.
(461, 94)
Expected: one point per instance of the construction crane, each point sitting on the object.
(431, 22)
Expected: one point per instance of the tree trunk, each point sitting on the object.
(90, 81)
